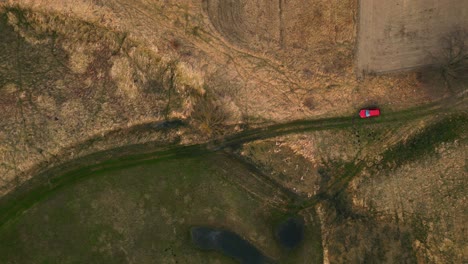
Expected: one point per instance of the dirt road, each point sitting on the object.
(50, 181)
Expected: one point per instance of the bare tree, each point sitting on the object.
(454, 56)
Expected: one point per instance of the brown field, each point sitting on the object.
(400, 34)
(301, 34)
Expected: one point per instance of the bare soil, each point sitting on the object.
(399, 34)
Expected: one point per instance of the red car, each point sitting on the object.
(369, 112)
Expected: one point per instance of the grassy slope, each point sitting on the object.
(377, 238)
(413, 149)
(425, 142)
(143, 213)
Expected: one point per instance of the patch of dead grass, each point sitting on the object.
(431, 190)
(122, 73)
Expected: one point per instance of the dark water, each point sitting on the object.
(290, 233)
(228, 243)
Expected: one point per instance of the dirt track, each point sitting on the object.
(309, 75)
(400, 34)
(10, 209)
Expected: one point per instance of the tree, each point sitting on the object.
(454, 56)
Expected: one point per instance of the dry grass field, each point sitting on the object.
(402, 200)
(72, 71)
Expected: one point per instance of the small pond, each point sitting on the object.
(290, 233)
(228, 243)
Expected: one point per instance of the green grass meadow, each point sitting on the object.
(143, 214)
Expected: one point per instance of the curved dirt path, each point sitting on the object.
(54, 179)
